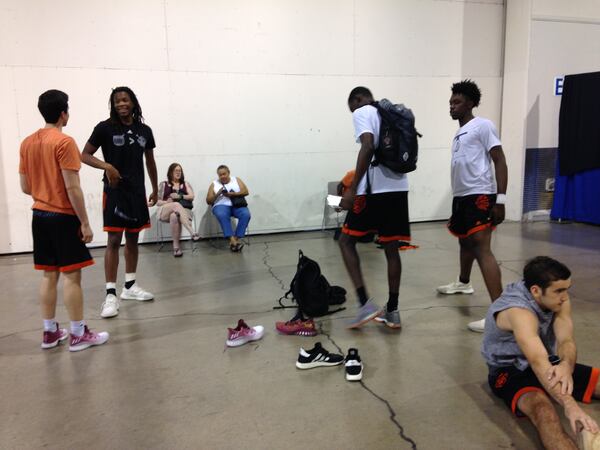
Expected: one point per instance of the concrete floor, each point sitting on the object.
(166, 381)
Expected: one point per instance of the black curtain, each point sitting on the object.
(579, 124)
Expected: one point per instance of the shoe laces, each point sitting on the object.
(241, 325)
(319, 349)
(110, 300)
(136, 289)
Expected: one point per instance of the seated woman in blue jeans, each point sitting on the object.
(226, 195)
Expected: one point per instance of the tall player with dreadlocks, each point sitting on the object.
(479, 190)
(125, 140)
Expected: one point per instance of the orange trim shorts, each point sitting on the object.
(385, 214)
(471, 214)
(57, 244)
(510, 383)
(125, 209)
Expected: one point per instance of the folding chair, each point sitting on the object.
(327, 210)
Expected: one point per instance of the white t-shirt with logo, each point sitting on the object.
(366, 120)
(471, 161)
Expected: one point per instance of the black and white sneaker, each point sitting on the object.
(354, 367)
(316, 357)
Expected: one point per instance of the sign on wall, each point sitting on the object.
(558, 85)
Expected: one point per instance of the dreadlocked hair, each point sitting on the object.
(137, 109)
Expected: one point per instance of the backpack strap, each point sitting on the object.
(281, 305)
(334, 311)
(285, 296)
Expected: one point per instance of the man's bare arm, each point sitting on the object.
(524, 325)
(367, 147)
(501, 168)
(87, 157)
(25, 186)
(75, 194)
(153, 174)
(566, 349)
(497, 154)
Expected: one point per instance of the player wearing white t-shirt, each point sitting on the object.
(377, 201)
(479, 196)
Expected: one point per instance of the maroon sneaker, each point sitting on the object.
(88, 339)
(298, 327)
(52, 338)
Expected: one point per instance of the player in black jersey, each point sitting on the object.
(125, 141)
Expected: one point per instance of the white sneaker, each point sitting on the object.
(456, 287)
(478, 326)
(110, 306)
(136, 292)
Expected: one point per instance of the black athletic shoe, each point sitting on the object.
(316, 357)
(354, 367)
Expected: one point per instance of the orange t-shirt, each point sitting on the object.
(347, 180)
(43, 155)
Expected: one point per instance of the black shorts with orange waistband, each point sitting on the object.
(57, 244)
(125, 210)
(470, 214)
(385, 214)
(510, 383)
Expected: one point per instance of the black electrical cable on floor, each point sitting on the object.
(393, 415)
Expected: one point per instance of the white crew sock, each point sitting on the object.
(50, 325)
(129, 277)
(77, 327)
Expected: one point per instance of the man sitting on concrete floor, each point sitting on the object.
(531, 354)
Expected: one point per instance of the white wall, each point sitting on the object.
(565, 39)
(260, 86)
(514, 100)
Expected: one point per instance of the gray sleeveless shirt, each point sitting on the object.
(499, 347)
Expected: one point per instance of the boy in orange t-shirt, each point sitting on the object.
(49, 172)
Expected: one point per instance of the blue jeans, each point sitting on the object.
(224, 213)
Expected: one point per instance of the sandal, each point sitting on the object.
(239, 246)
(177, 253)
(233, 247)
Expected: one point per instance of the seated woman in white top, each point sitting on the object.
(226, 195)
(175, 202)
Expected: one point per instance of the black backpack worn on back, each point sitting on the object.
(398, 147)
(311, 290)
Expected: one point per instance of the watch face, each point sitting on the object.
(554, 360)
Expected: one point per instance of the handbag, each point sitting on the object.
(238, 202)
(187, 204)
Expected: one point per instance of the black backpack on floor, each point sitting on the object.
(398, 147)
(311, 290)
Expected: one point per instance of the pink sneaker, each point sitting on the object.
(88, 339)
(298, 327)
(52, 338)
(243, 333)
